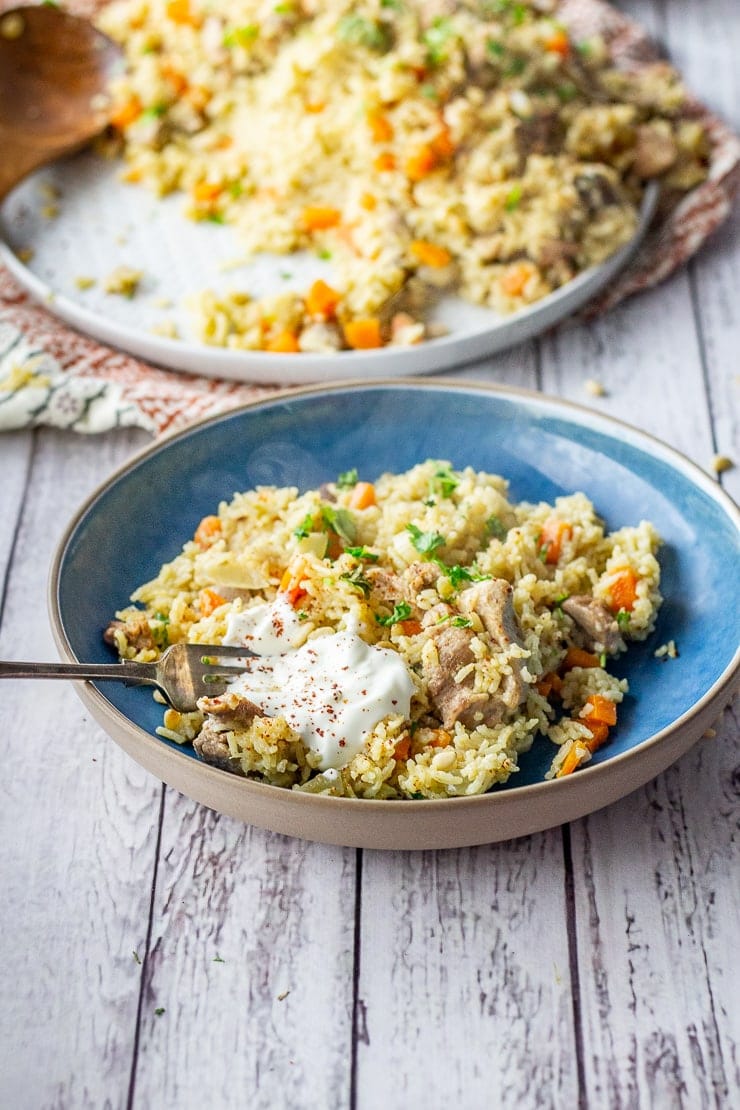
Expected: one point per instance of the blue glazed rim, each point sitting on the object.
(533, 420)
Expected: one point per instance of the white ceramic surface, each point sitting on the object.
(103, 223)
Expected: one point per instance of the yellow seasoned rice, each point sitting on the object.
(456, 530)
(419, 145)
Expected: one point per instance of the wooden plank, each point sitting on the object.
(706, 40)
(78, 824)
(252, 961)
(517, 367)
(658, 909)
(15, 460)
(465, 994)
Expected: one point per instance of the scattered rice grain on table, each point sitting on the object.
(498, 620)
(422, 147)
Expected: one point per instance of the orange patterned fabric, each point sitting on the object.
(90, 387)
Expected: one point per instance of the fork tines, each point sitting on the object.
(223, 651)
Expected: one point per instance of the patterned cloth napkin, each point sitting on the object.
(50, 374)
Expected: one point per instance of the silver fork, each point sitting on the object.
(182, 674)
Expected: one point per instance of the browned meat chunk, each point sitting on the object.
(137, 632)
(597, 191)
(492, 600)
(538, 134)
(655, 151)
(224, 714)
(600, 631)
(554, 251)
(420, 576)
(456, 701)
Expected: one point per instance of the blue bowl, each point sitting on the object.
(141, 516)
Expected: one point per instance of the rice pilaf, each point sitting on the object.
(506, 617)
(420, 146)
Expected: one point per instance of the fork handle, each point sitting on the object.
(120, 672)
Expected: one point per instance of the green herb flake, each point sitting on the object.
(426, 543)
(558, 602)
(496, 528)
(154, 111)
(218, 960)
(429, 92)
(513, 198)
(495, 49)
(393, 5)
(458, 574)
(215, 217)
(340, 521)
(623, 619)
(159, 1011)
(137, 957)
(401, 612)
(241, 36)
(357, 579)
(437, 38)
(236, 189)
(566, 92)
(460, 622)
(359, 31)
(444, 482)
(348, 478)
(362, 553)
(305, 528)
(516, 67)
(324, 254)
(602, 660)
(584, 48)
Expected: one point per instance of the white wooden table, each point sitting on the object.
(153, 954)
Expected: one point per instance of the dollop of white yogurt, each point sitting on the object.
(333, 690)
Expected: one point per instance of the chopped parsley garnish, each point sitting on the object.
(340, 521)
(215, 218)
(302, 615)
(428, 91)
(305, 528)
(324, 254)
(154, 111)
(362, 553)
(236, 189)
(495, 49)
(136, 956)
(437, 39)
(623, 619)
(513, 198)
(348, 478)
(496, 528)
(401, 612)
(602, 659)
(241, 36)
(460, 622)
(516, 66)
(566, 92)
(558, 602)
(394, 5)
(458, 574)
(359, 31)
(357, 579)
(426, 543)
(218, 960)
(444, 482)
(159, 1011)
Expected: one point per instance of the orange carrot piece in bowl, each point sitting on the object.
(207, 531)
(362, 496)
(363, 334)
(623, 591)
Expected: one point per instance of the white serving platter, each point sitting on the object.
(101, 223)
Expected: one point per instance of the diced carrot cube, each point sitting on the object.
(623, 591)
(576, 657)
(515, 279)
(363, 334)
(403, 748)
(380, 126)
(410, 627)
(421, 163)
(322, 300)
(430, 254)
(284, 343)
(320, 217)
(126, 113)
(558, 43)
(207, 531)
(209, 601)
(362, 496)
(385, 162)
(600, 709)
(553, 533)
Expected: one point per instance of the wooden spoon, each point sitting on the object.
(54, 72)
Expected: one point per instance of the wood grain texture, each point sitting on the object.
(656, 917)
(78, 827)
(252, 960)
(15, 461)
(464, 977)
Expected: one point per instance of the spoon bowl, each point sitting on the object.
(54, 74)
